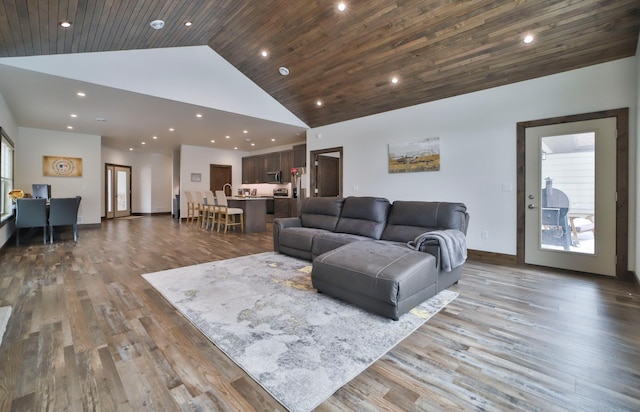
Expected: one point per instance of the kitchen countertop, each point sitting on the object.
(258, 197)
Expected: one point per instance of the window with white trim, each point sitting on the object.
(6, 176)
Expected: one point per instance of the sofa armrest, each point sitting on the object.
(280, 224)
(433, 248)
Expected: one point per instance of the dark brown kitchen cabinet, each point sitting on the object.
(281, 207)
(273, 162)
(248, 169)
(300, 155)
(286, 163)
(255, 168)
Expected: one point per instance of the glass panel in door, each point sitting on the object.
(121, 189)
(567, 205)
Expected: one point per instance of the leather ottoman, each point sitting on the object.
(385, 279)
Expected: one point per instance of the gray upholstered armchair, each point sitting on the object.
(31, 213)
(64, 212)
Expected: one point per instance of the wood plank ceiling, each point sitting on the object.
(436, 48)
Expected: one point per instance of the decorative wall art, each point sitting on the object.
(419, 156)
(61, 166)
(196, 177)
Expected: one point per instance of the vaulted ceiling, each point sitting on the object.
(344, 60)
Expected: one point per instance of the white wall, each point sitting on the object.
(151, 177)
(195, 159)
(36, 143)
(8, 123)
(477, 145)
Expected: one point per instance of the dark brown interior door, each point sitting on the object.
(328, 176)
(219, 175)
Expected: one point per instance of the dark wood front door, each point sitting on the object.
(219, 175)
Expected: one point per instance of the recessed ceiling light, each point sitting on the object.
(284, 71)
(144, 142)
(528, 38)
(235, 148)
(81, 94)
(131, 148)
(245, 131)
(319, 103)
(247, 140)
(342, 6)
(213, 141)
(264, 53)
(394, 80)
(188, 23)
(157, 24)
(227, 137)
(198, 115)
(155, 137)
(253, 144)
(100, 119)
(171, 129)
(65, 24)
(70, 127)
(74, 115)
(273, 139)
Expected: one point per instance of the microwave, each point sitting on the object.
(274, 177)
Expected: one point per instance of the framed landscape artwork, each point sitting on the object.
(418, 156)
(61, 166)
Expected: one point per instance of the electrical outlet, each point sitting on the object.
(485, 234)
(79, 219)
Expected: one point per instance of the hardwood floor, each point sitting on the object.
(87, 333)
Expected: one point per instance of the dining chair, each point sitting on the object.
(227, 215)
(31, 213)
(64, 212)
(199, 208)
(211, 210)
(191, 206)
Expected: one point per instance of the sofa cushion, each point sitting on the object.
(321, 212)
(300, 238)
(408, 219)
(324, 242)
(364, 216)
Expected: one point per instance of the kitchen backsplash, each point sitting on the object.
(262, 189)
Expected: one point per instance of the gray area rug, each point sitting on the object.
(5, 314)
(300, 345)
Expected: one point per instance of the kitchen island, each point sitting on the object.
(255, 212)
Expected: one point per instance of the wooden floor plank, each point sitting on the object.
(88, 333)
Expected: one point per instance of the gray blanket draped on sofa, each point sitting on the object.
(453, 246)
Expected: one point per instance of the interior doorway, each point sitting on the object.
(219, 175)
(117, 191)
(572, 193)
(326, 172)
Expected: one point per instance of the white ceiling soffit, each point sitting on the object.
(196, 75)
